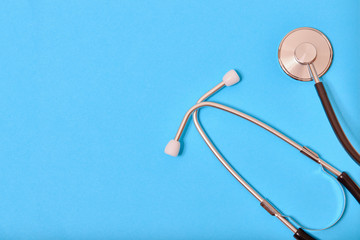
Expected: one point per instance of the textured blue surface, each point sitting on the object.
(91, 92)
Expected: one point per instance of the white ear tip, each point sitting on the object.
(172, 148)
(231, 77)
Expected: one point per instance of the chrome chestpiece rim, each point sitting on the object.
(301, 47)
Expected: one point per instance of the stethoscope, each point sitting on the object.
(303, 43)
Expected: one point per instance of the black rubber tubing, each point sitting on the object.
(350, 185)
(302, 235)
(335, 123)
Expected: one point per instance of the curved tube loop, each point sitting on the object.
(264, 203)
(227, 166)
(224, 162)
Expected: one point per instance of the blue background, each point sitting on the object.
(92, 91)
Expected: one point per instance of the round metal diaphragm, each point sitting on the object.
(301, 47)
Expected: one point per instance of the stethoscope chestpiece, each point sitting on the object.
(306, 54)
(304, 47)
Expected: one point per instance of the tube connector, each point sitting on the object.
(269, 208)
(311, 154)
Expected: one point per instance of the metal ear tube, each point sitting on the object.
(298, 232)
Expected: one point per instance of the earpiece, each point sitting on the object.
(172, 148)
(231, 78)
